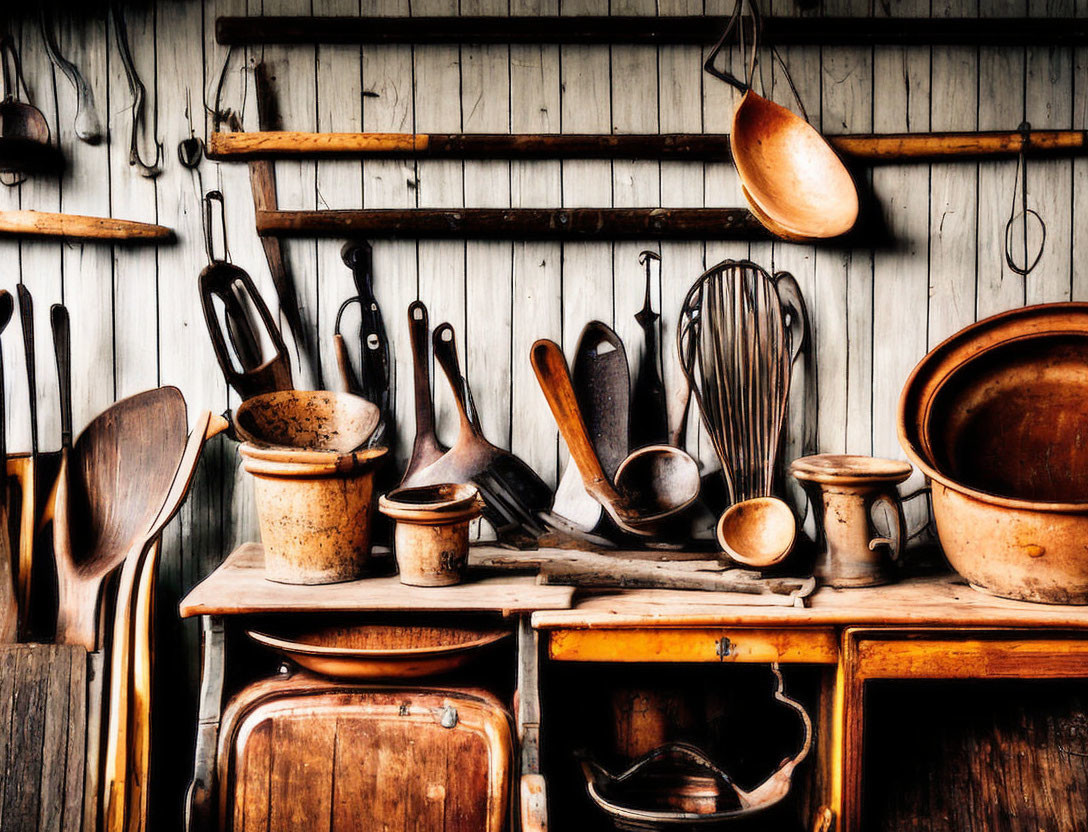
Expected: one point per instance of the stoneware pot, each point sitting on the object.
(994, 416)
(315, 511)
(844, 490)
(431, 535)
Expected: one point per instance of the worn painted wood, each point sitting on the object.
(932, 601)
(239, 586)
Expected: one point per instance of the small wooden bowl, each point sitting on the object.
(381, 651)
(759, 532)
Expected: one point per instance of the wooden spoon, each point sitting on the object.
(128, 734)
(426, 448)
(120, 468)
(652, 485)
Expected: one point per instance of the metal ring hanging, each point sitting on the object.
(1021, 182)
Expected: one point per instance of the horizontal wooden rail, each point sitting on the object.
(519, 223)
(81, 228)
(829, 31)
(872, 149)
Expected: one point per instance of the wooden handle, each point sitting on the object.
(348, 380)
(58, 319)
(518, 223)
(920, 147)
(418, 332)
(445, 353)
(534, 803)
(551, 372)
(77, 227)
(894, 147)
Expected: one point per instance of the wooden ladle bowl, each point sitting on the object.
(795, 183)
(759, 532)
(660, 480)
(315, 420)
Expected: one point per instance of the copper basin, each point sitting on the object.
(995, 417)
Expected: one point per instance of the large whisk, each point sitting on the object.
(740, 332)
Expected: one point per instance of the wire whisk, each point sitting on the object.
(739, 334)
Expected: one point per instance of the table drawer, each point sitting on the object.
(702, 644)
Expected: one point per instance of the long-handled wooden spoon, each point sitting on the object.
(123, 801)
(652, 485)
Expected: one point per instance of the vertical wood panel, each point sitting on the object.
(40, 262)
(387, 73)
(1000, 106)
(842, 304)
(485, 104)
(953, 203)
(87, 269)
(1049, 106)
(536, 267)
(339, 185)
(440, 183)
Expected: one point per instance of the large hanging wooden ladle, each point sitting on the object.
(793, 180)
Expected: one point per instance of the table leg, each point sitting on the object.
(847, 740)
(200, 798)
(533, 796)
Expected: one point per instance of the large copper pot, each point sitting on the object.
(997, 417)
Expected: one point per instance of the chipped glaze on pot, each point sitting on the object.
(315, 516)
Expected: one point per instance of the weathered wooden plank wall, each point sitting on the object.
(136, 319)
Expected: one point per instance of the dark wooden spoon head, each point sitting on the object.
(120, 470)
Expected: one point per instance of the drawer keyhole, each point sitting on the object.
(723, 647)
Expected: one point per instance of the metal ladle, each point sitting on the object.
(19, 120)
(653, 484)
(794, 182)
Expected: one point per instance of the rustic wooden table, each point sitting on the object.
(921, 628)
(238, 588)
(931, 627)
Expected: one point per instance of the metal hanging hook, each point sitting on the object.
(1021, 182)
(139, 93)
(209, 227)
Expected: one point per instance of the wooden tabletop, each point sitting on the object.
(238, 587)
(943, 600)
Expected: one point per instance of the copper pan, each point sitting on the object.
(994, 417)
(794, 182)
(381, 651)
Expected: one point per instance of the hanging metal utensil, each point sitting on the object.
(21, 122)
(241, 330)
(739, 334)
(88, 127)
(139, 93)
(650, 424)
(190, 150)
(236, 292)
(372, 382)
(1024, 214)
